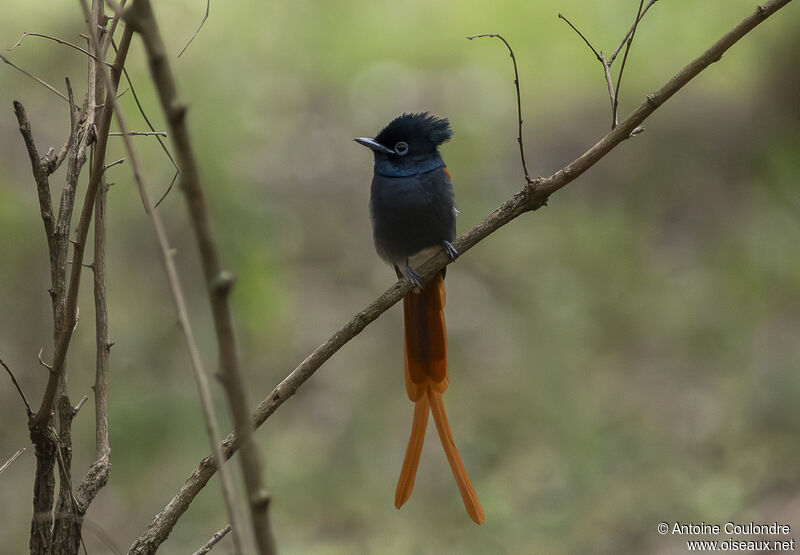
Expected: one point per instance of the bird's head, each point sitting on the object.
(409, 144)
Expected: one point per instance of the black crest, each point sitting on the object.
(422, 131)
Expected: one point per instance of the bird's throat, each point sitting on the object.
(406, 167)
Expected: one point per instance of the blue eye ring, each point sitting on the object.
(401, 148)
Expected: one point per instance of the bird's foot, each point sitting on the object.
(449, 250)
(413, 276)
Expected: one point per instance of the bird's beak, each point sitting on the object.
(370, 143)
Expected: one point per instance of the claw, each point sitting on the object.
(449, 250)
(413, 276)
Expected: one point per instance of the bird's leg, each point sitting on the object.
(449, 250)
(413, 276)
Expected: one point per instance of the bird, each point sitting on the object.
(413, 213)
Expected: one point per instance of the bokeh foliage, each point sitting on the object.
(626, 356)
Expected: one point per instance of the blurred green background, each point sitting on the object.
(626, 356)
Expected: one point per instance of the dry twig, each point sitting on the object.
(175, 287)
(28, 410)
(519, 101)
(214, 540)
(203, 22)
(56, 39)
(21, 451)
(219, 281)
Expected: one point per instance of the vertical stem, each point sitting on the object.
(218, 280)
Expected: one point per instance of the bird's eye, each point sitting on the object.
(401, 148)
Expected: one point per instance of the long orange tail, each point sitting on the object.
(426, 380)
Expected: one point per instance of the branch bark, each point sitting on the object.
(219, 281)
(51, 531)
(531, 197)
(97, 475)
(175, 287)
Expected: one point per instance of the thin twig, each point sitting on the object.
(519, 101)
(630, 32)
(612, 96)
(42, 362)
(97, 475)
(624, 59)
(169, 188)
(159, 139)
(606, 68)
(203, 22)
(28, 410)
(21, 451)
(529, 198)
(56, 39)
(219, 281)
(80, 404)
(109, 36)
(114, 163)
(53, 163)
(178, 297)
(40, 81)
(214, 540)
(592, 48)
(142, 133)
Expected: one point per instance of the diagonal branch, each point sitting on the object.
(203, 22)
(219, 280)
(19, 389)
(630, 31)
(45, 84)
(21, 451)
(529, 198)
(213, 540)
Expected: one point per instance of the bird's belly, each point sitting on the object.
(410, 214)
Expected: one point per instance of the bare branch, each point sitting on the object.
(624, 59)
(40, 176)
(97, 475)
(16, 455)
(214, 540)
(109, 37)
(606, 68)
(42, 362)
(203, 22)
(42, 415)
(52, 163)
(58, 40)
(159, 139)
(519, 102)
(114, 163)
(80, 404)
(177, 293)
(219, 280)
(630, 32)
(529, 198)
(592, 48)
(40, 81)
(142, 133)
(28, 410)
